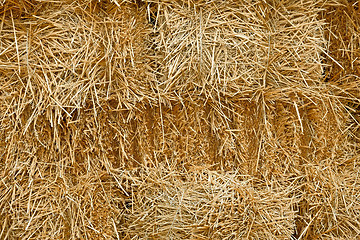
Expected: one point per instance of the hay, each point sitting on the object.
(230, 48)
(60, 62)
(179, 120)
(64, 54)
(330, 205)
(167, 204)
(330, 202)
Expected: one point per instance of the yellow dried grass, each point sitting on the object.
(168, 204)
(231, 48)
(179, 119)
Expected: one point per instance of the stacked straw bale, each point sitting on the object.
(240, 61)
(61, 63)
(202, 119)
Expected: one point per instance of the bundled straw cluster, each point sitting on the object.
(229, 48)
(207, 205)
(199, 119)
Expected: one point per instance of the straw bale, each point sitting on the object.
(167, 204)
(226, 48)
(263, 139)
(59, 55)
